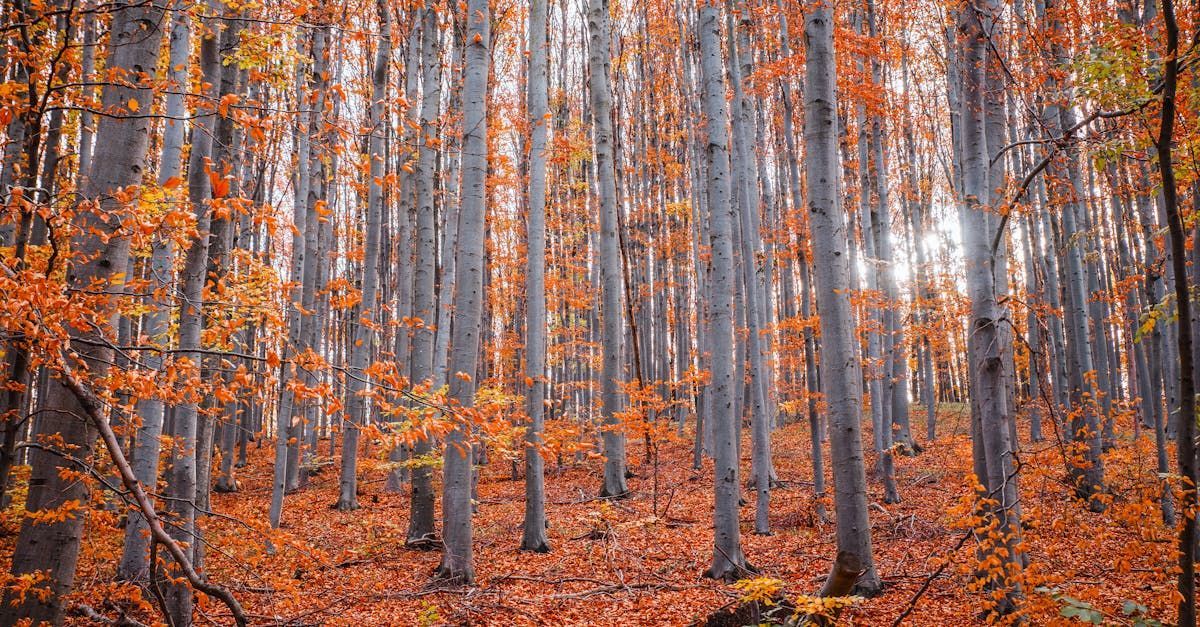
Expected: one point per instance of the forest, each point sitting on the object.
(572, 312)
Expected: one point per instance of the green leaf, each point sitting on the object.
(1129, 608)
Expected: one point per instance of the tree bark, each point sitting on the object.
(364, 325)
(457, 561)
(841, 372)
(135, 556)
(120, 161)
(534, 537)
(600, 88)
(728, 560)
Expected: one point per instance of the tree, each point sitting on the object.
(1187, 385)
(841, 372)
(534, 538)
(600, 89)
(753, 282)
(135, 556)
(421, 533)
(364, 328)
(994, 458)
(1059, 116)
(728, 560)
(457, 561)
(285, 432)
(122, 143)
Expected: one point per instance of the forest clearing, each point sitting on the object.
(679, 312)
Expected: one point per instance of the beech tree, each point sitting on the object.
(457, 561)
(841, 372)
(363, 330)
(600, 90)
(534, 535)
(122, 141)
(728, 560)
(422, 368)
(994, 457)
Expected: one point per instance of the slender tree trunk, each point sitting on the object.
(534, 537)
(290, 374)
(841, 372)
(1085, 424)
(186, 451)
(728, 560)
(364, 325)
(1187, 386)
(988, 383)
(600, 88)
(421, 526)
(746, 183)
(812, 385)
(457, 562)
(135, 556)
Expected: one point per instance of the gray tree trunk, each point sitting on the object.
(285, 415)
(405, 218)
(746, 178)
(812, 385)
(600, 88)
(135, 555)
(728, 560)
(120, 161)
(841, 372)
(302, 438)
(421, 526)
(457, 562)
(186, 451)
(1085, 424)
(988, 383)
(534, 537)
(364, 325)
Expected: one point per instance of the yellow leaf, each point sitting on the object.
(133, 105)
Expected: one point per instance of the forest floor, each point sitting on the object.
(627, 563)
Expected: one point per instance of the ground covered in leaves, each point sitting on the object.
(639, 560)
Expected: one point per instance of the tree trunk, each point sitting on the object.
(286, 412)
(841, 372)
(421, 526)
(534, 538)
(457, 562)
(135, 556)
(747, 178)
(120, 161)
(728, 563)
(600, 88)
(364, 325)
(1085, 424)
(1187, 385)
(996, 469)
